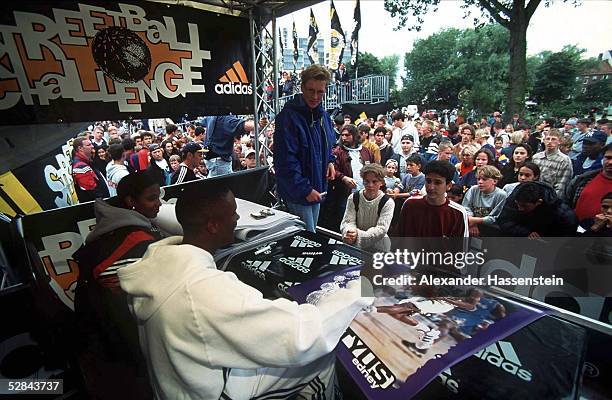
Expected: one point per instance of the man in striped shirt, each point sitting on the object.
(192, 157)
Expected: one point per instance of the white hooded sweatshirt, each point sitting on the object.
(195, 320)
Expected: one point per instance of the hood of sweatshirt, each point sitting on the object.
(299, 105)
(110, 218)
(112, 169)
(166, 266)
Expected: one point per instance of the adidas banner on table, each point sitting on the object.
(413, 333)
(302, 256)
(541, 361)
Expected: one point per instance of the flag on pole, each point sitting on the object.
(355, 35)
(313, 34)
(337, 39)
(296, 54)
(282, 44)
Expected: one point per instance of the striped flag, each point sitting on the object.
(355, 35)
(337, 39)
(313, 33)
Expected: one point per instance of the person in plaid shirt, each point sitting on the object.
(555, 167)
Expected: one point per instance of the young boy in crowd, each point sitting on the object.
(367, 219)
(485, 201)
(434, 215)
(414, 180)
(393, 184)
(533, 210)
(601, 225)
(455, 193)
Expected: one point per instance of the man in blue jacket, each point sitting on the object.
(220, 134)
(303, 142)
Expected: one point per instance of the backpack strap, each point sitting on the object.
(381, 204)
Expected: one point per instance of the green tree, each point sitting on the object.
(598, 94)
(370, 65)
(555, 77)
(514, 15)
(455, 68)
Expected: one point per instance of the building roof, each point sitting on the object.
(602, 68)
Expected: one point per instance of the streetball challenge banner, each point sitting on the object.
(73, 61)
(43, 184)
(412, 333)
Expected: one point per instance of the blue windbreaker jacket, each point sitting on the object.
(303, 141)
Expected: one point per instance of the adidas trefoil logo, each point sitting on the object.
(234, 81)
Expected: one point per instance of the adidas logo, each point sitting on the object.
(333, 241)
(257, 267)
(302, 264)
(449, 381)
(299, 241)
(340, 258)
(234, 81)
(502, 355)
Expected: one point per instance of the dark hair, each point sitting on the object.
(128, 144)
(364, 128)
(456, 190)
(607, 196)
(498, 125)
(339, 119)
(398, 116)
(346, 116)
(442, 168)
(533, 167)
(116, 151)
(490, 156)
(114, 140)
(380, 129)
(352, 129)
(199, 130)
(191, 126)
(133, 185)
(606, 148)
(528, 192)
(415, 159)
(171, 128)
(193, 215)
(527, 147)
(146, 133)
(76, 143)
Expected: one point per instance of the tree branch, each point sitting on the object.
(531, 7)
(494, 13)
(502, 8)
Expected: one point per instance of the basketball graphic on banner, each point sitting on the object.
(121, 54)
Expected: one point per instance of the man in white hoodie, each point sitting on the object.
(206, 335)
(116, 169)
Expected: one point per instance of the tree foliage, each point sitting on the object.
(458, 68)
(555, 77)
(370, 65)
(514, 15)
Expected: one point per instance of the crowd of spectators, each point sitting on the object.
(490, 160)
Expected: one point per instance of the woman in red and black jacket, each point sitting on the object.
(121, 236)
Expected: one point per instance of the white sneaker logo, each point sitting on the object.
(502, 355)
(340, 258)
(299, 241)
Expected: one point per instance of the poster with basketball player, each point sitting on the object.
(82, 61)
(412, 333)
